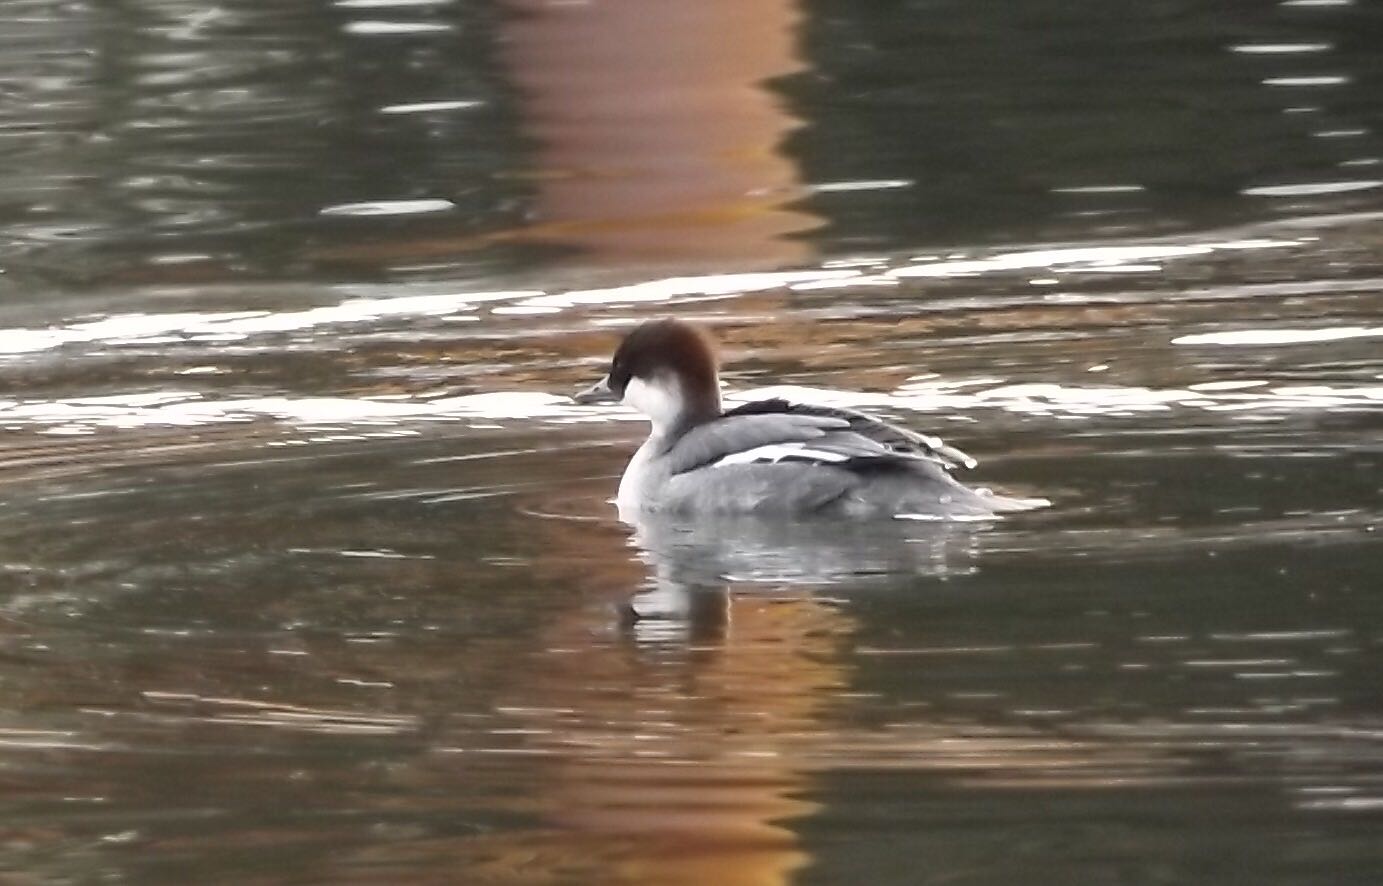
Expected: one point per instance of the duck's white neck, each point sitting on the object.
(668, 407)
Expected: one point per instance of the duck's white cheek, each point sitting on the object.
(657, 399)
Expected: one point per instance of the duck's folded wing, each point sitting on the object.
(895, 438)
(777, 439)
(735, 436)
(802, 465)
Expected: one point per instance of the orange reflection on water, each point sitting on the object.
(658, 142)
(669, 751)
(685, 763)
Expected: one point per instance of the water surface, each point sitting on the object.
(310, 572)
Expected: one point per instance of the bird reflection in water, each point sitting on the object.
(693, 562)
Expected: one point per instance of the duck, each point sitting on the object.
(771, 457)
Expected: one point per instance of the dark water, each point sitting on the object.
(307, 567)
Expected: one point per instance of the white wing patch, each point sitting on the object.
(776, 452)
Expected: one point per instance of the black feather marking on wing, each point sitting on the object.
(897, 439)
(847, 450)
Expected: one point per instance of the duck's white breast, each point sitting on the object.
(633, 486)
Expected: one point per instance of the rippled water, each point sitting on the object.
(309, 568)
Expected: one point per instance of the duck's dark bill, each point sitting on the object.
(597, 393)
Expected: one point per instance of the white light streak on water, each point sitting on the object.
(870, 185)
(393, 29)
(147, 328)
(1094, 256)
(426, 107)
(1311, 189)
(951, 396)
(389, 207)
(387, 4)
(1320, 80)
(681, 287)
(1100, 189)
(1280, 48)
(1279, 336)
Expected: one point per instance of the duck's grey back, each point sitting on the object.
(794, 464)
